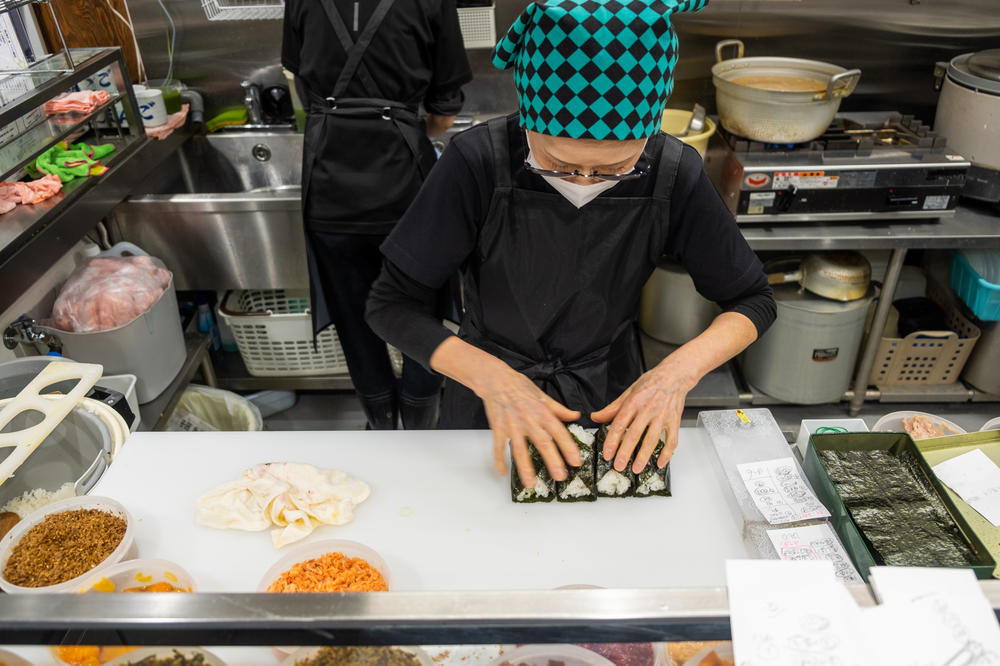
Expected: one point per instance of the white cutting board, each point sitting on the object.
(438, 514)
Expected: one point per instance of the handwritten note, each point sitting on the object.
(779, 492)
(815, 542)
(791, 613)
(976, 479)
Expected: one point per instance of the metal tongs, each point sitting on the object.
(697, 121)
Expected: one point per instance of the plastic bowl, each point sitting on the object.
(312, 550)
(675, 121)
(893, 422)
(124, 551)
(724, 650)
(540, 655)
(992, 424)
(307, 652)
(163, 653)
(138, 573)
(11, 659)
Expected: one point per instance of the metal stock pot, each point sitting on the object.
(778, 100)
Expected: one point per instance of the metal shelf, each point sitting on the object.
(43, 80)
(156, 413)
(231, 373)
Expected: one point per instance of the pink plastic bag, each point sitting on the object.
(108, 292)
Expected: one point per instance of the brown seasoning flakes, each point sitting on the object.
(63, 546)
(360, 656)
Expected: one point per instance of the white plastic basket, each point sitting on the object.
(273, 332)
(243, 10)
(479, 27)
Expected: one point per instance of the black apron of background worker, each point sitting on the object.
(554, 290)
(370, 155)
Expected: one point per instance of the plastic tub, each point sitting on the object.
(307, 652)
(203, 408)
(163, 653)
(11, 659)
(981, 294)
(312, 550)
(723, 650)
(540, 655)
(675, 121)
(126, 549)
(893, 422)
(139, 573)
(992, 424)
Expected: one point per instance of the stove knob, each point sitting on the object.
(784, 198)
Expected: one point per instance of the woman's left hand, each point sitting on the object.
(652, 404)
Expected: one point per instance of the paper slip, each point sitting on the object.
(976, 479)
(792, 613)
(814, 542)
(779, 492)
(932, 616)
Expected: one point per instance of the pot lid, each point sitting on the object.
(977, 70)
(794, 296)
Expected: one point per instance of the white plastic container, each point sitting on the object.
(992, 424)
(313, 550)
(541, 655)
(151, 346)
(163, 653)
(723, 650)
(308, 652)
(125, 550)
(139, 573)
(893, 422)
(826, 426)
(11, 659)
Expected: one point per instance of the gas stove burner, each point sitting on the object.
(858, 134)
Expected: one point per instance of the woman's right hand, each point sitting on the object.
(519, 411)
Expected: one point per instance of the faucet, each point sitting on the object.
(23, 331)
(251, 99)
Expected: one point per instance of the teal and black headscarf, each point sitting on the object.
(595, 69)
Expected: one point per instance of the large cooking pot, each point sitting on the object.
(842, 276)
(968, 116)
(671, 309)
(778, 100)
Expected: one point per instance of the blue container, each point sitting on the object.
(982, 296)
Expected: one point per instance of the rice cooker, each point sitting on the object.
(968, 116)
(808, 354)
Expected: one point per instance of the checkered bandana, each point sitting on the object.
(595, 69)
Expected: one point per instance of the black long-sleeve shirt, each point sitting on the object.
(439, 231)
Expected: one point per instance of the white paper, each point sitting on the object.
(932, 616)
(976, 479)
(779, 492)
(792, 613)
(814, 542)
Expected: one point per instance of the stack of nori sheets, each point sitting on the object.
(895, 509)
(594, 477)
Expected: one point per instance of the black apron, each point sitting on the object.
(554, 290)
(363, 159)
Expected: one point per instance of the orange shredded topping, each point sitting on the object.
(332, 572)
(79, 655)
(162, 586)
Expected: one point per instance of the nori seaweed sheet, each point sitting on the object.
(605, 466)
(519, 493)
(896, 509)
(642, 479)
(586, 472)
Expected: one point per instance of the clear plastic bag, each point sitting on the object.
(108, 292)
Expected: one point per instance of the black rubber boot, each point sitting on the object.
(381, 412)
(419, 413)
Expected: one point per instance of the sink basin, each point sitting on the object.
(242, 162)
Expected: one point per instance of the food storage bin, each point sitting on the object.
(992, 424)
(893, 422)
(897, 444)
(208, 658)
(980, 292)
(825, 427)
(544, 655)
(125, 550)
(308, 652)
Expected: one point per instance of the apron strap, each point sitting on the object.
(501, 151)
(666, 172)
(356, 50)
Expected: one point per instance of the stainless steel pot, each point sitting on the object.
(671, 309)
(841, 276)
(778, 116)
(968, 116)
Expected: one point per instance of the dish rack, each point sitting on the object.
(243, 10)
(273, 332)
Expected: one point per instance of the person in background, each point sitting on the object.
(556, 216)
(365, 67)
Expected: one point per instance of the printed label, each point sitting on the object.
(757, 180)
(937, 202)
(824, 355)
(763, 198)
(805, 180)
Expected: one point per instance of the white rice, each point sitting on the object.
(32, 500)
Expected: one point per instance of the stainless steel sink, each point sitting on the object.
(226, 214)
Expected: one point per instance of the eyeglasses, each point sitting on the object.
(638, 171)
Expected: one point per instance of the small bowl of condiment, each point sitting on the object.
(329, 565)
(167, 656)
(142, 575)
(358, 654)
(55, 548)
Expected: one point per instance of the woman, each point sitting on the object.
(556, 217)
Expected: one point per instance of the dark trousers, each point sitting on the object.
(348, 265)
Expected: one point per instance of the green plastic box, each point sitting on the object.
(854, 542)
